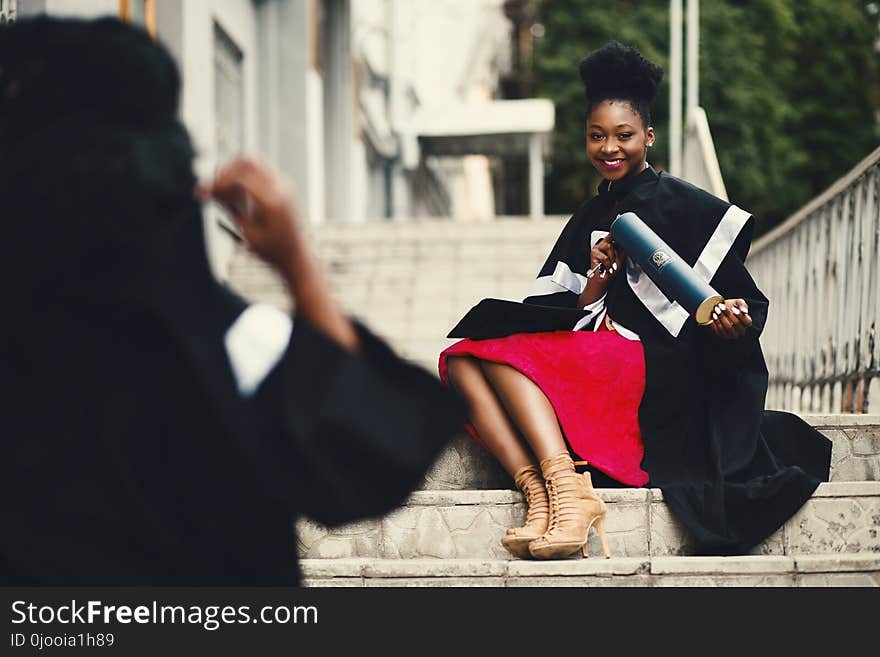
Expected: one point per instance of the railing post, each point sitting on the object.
(536, 176)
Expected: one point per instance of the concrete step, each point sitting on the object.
(840, 518)
(855, 456)
(848, 570)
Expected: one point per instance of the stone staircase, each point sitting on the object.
(411, 282)
(451, 536)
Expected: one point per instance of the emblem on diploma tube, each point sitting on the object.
(660, 258)
(665, 267)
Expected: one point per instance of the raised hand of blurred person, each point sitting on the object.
(264, 212)
(261, 207)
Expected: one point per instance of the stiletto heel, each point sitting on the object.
(574, 508)
(528, 479)
(600, 527)
(599, 522)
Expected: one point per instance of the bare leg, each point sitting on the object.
(488, 415)
(528, 407)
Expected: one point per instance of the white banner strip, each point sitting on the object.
(719, 244)
(562, 280)
(670, 314)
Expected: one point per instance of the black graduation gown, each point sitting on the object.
(130, 458)
(730, 471)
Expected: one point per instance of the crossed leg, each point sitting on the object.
(518, 424)
(488, 415)
(511, 414)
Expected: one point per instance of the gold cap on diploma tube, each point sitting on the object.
(703, 315)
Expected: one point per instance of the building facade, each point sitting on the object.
(330, 94)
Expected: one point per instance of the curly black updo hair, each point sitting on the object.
(618, 72)
(94, 161)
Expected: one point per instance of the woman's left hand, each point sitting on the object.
(730, 319)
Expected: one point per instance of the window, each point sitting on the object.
(7, 11)
(139, 12)
(228, 104)
(228, 95)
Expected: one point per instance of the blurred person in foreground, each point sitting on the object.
(157, 429)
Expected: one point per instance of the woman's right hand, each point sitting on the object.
(609, 256)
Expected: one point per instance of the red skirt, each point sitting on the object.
(595, 382)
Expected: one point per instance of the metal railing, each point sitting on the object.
(820, 271)
(700, 165)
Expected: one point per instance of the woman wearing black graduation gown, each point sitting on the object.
(638, 389)
(157, 429)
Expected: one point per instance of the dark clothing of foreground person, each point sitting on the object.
(138, 445)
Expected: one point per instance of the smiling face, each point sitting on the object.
(617, 139)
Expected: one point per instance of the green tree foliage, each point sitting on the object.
(790, 88)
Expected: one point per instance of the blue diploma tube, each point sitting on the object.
(665, 267)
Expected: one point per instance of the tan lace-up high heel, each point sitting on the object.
(531, 483)
(574, 508)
